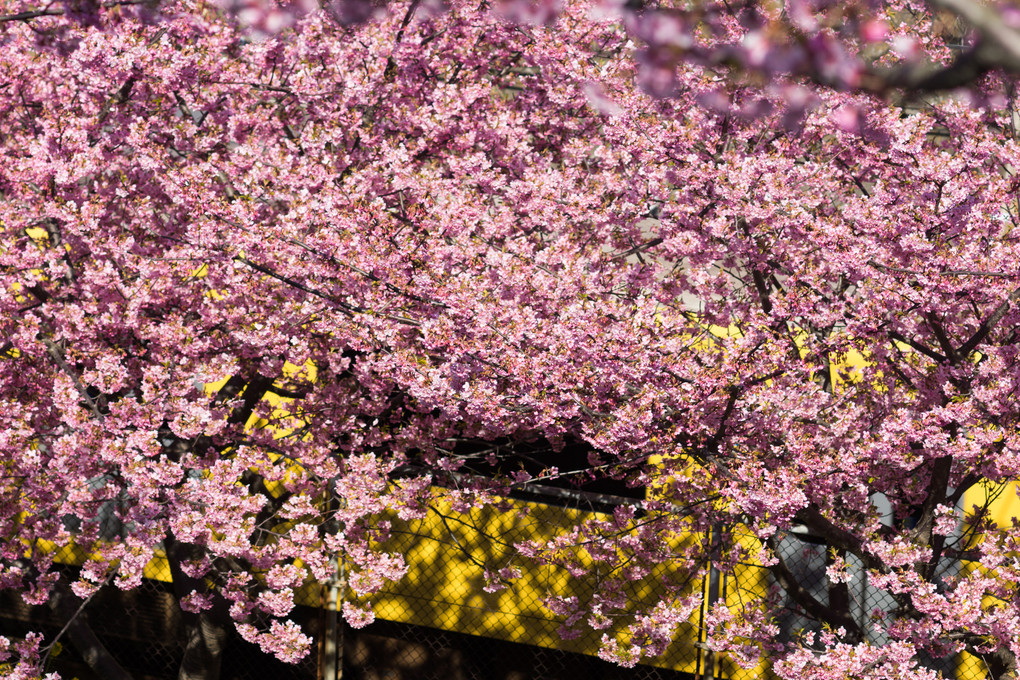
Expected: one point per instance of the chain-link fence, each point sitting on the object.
(808, 558)
(441, 622)
(454, 555)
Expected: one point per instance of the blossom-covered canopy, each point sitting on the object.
(262, 271)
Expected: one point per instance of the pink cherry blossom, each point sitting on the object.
(279, 280)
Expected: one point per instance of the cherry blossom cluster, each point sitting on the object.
(264, 294)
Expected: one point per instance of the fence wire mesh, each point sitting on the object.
(440, 622)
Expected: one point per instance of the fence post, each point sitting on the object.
(333, 661)
(712, 596)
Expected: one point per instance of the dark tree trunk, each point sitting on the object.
(207, 632)
(1001, 664)
(203, 653)
(92, 650)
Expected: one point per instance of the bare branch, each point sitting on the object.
(28, 15)
(786, 578)
(988, 324)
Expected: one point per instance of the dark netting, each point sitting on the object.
(143, 631)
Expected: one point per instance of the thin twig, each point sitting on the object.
(81, 608)
(28, 15)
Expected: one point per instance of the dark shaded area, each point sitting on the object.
(397, 651)
(144, 630)
(581, 467)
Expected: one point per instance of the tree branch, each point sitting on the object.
(913, 344)
(58, 358)
(988, 324)
(943, 339)
(786, 578)
(92, 650)
(837, 537)
(28, 15)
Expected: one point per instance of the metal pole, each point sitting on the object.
(332, 666)
(714, 585)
